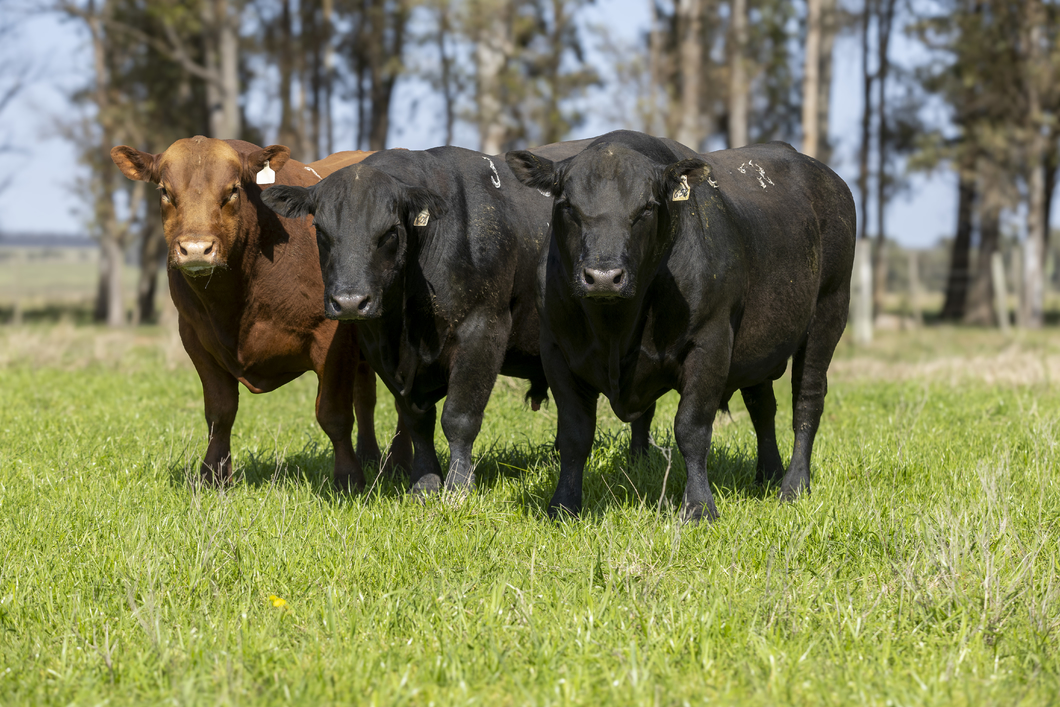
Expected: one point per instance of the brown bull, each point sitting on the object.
(248, 290)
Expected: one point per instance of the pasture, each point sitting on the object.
(923, 569)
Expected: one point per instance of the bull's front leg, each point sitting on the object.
(220, 395)
(693, 427)
(575, 429)
(476, 364)
(426, 472)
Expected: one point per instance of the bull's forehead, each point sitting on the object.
(360, 198)
(607, 178)
(200, 162)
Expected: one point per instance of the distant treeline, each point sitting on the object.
(709, 73)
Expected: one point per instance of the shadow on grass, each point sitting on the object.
(612, 479)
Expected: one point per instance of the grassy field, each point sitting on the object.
(923, 569)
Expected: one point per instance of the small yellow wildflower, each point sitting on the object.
(278, 602)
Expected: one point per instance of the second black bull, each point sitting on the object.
(668, 270)
(435, 255)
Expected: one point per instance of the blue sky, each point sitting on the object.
(41, 198)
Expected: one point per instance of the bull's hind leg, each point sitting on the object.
(809, 384)
(762, 407)
(335, 417)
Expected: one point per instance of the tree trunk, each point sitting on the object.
(328, 11)
(689, 22)
(152, 255)
(811, 88)
(884, 22)
(980, 309)
(953, 308)
(738, 92)
(829, 28)
(288, 133)
(866, 122)
(446, 61)
(657, 80)
(1033, 301)
(109, 305)
(228, 49)
(493, 48)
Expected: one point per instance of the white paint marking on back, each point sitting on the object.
(496, 178)
(310, 169)
(741, 168)
(545, 193)
(711, 182)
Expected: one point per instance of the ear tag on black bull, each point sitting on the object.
(682, 190)
(422, 218)
(266, 175)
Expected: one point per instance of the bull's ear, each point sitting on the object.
(275, 155)
(136, 165)
(531, 170)
(422, 205)
(289, 201)
(680, 177)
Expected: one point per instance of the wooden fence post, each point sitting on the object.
(997, 272)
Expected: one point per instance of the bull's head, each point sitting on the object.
(202, 186)
(364, 220)
(612, 212)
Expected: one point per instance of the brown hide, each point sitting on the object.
(251, 306)
(336, 161)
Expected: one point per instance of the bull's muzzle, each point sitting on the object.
(604, 283)
(351, 305)
(198, 255)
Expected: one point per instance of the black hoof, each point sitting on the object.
(426, 485)
(790, 494)
(561, 512)
(699, 512)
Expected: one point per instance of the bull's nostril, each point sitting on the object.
(209, 249)
(618, 277)
(363, 304)
(589, 278)
(183, 250)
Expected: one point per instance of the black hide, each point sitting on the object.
(441, 308)
(713, 293)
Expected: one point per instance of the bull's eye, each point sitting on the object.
(389, 238)
(233, 195)
(165, 194)
(646, 212)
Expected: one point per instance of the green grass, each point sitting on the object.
(923, 569)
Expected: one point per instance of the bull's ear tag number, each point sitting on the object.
(266, 175)
(422, 218)
(682, 190)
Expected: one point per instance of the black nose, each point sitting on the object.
(602, 282)
(349, 306)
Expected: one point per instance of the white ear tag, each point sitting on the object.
(422, 218)
(682, 190)
(266, 175)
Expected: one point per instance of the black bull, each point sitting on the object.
(435, 255)
(668, 270)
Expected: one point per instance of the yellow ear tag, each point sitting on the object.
(682, 190)
(421, 218)
(266, 175)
